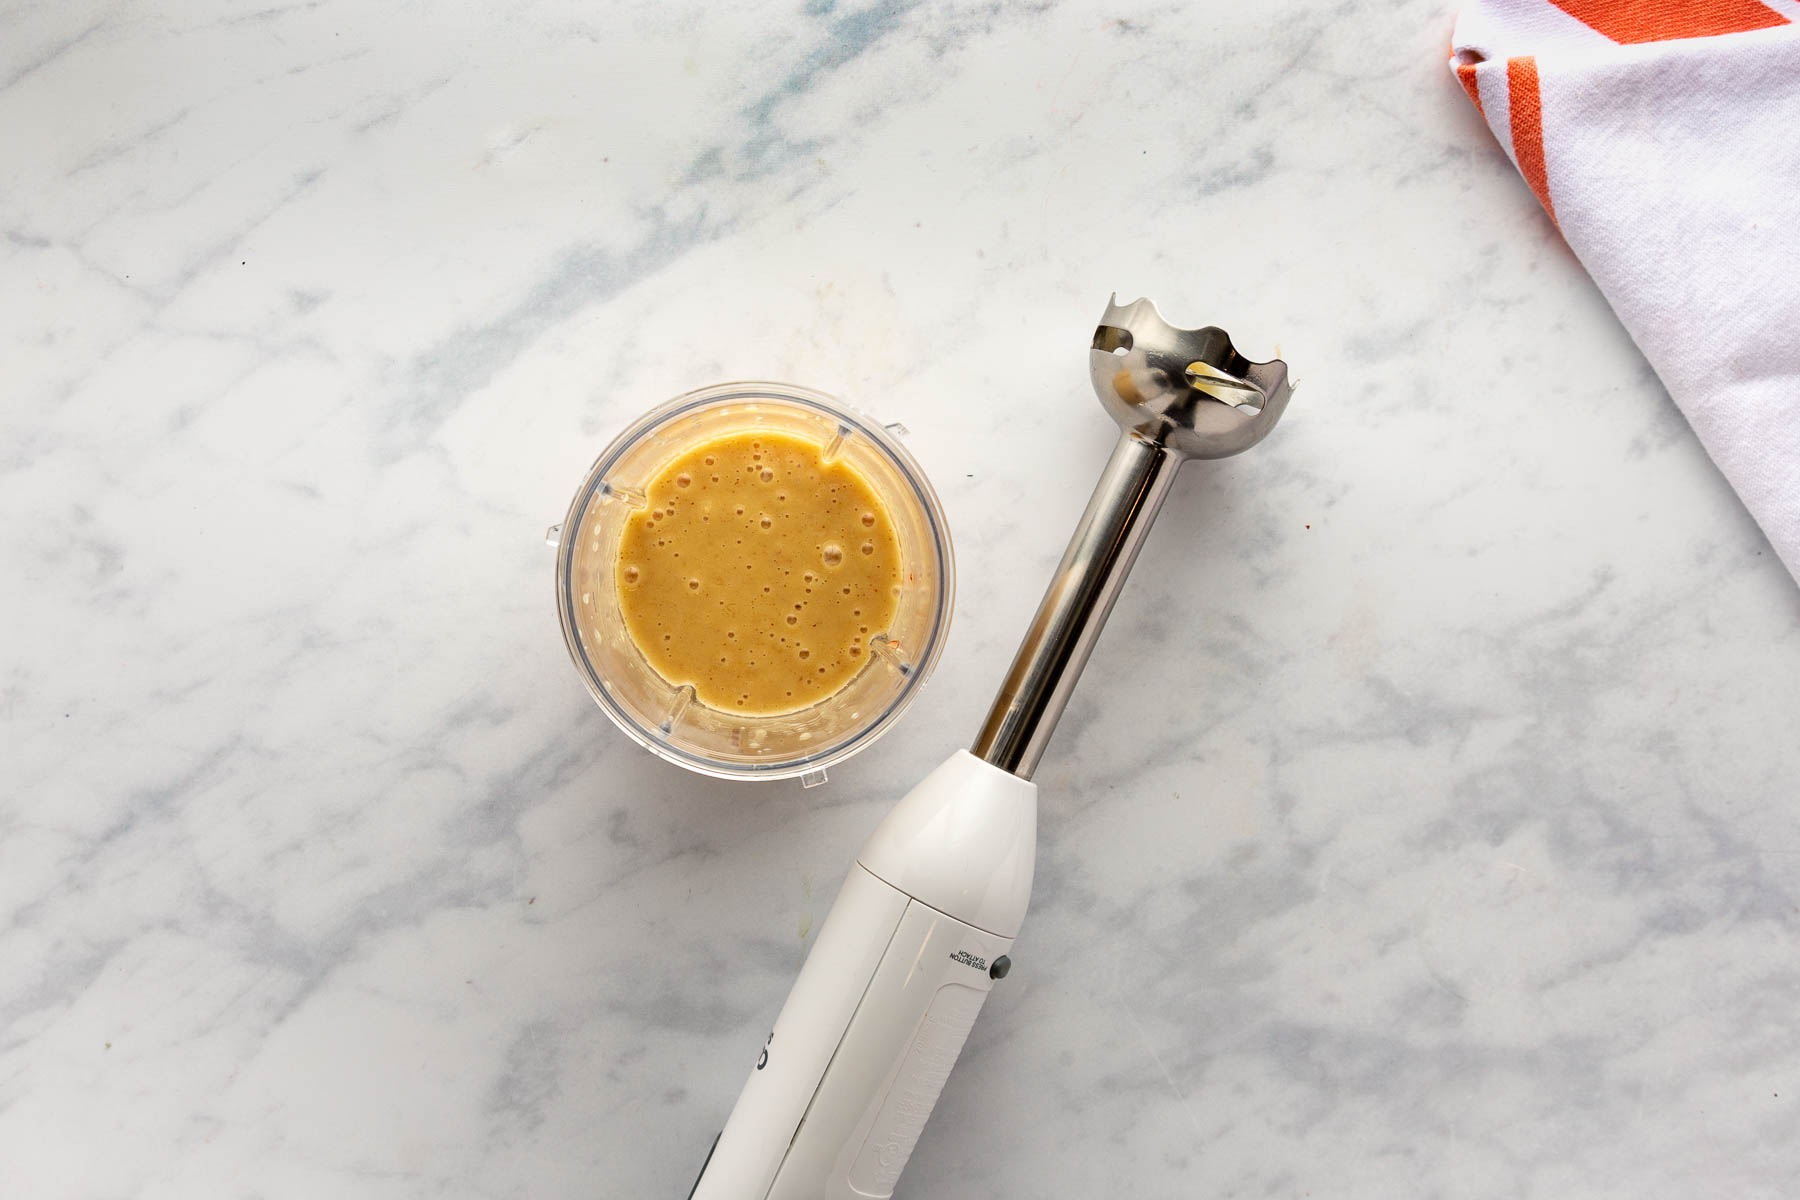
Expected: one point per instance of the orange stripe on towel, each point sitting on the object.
(1630, 22)
(1528, 126)
(1465, 75)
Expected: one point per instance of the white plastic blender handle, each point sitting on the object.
(902, 965)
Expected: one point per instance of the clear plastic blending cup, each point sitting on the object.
(666, 715)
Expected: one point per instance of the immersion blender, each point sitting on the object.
(921, 927)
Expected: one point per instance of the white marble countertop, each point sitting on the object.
(1425, 824)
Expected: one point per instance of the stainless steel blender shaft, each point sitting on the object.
(1177, 394)
(1075, 607)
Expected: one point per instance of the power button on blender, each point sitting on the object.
(1001, 966)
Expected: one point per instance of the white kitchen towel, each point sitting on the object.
(1663, 138)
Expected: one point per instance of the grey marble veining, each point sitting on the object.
(1425, 824)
